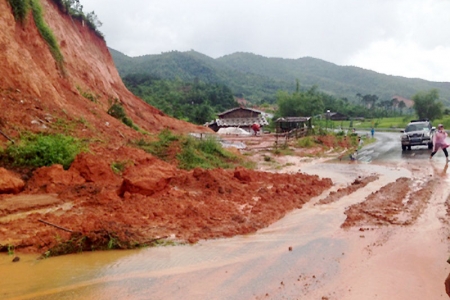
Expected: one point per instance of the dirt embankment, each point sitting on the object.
(94, 207)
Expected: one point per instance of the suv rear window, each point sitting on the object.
(417, 127)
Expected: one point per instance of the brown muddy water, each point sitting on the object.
(306, 255)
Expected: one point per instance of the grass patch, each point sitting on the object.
(306, 142)
(88, 95)
(119, 166)
(20, 9)
(206, 154)
(11, 249)
(38, 150)
(99, 240)
(190, 152)
(117, 111)
(46, 32)
(159, 148)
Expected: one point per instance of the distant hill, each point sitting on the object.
(255, 77)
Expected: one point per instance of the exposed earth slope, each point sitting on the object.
(88, 206)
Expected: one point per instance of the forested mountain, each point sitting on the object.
(258, 78)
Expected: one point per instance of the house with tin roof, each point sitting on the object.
(240, 117)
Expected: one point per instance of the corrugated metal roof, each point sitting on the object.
(237, 108)
(293, 119)
(235, 122)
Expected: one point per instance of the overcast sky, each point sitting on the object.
(409, 38)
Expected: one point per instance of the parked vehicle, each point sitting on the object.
(417, 133)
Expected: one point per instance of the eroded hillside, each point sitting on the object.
(89, 204)
(34, 89)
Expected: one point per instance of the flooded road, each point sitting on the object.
(305, 255)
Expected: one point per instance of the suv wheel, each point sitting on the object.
(409, 148)
(430, 146)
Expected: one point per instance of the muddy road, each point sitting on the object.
(381, 232)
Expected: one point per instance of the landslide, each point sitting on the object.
(53, 210)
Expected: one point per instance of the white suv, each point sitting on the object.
(417, 133)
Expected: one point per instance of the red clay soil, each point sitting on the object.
(89, 206)
(152, 199)
(394, 204)
(359, 183)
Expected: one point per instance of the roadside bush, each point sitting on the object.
(42, 150)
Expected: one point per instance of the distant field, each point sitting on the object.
(382, 123)
(385, 123)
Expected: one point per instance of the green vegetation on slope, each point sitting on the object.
(190, 152)
(20, 9)
(46, 32)
(38, 150)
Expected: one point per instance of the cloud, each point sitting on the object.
(381, 35)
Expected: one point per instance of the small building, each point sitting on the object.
(335, 116)
(241, 117)
(297, 126)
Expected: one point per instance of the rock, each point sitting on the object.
(16, 259)
(53, 179)
(147, 178)
(10, 183)
(93, 169)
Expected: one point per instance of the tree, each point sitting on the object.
(427, 106)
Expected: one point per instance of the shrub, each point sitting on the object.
(160, 147)
(46, 32)
(20, 9)
(205, 154)
(119, 166)
(192, 153)
(117, 111)
(43, 150)
(74, 9)
(88, 95)
(306, 142)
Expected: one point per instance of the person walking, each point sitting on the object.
(372, 131)
(439, 141)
